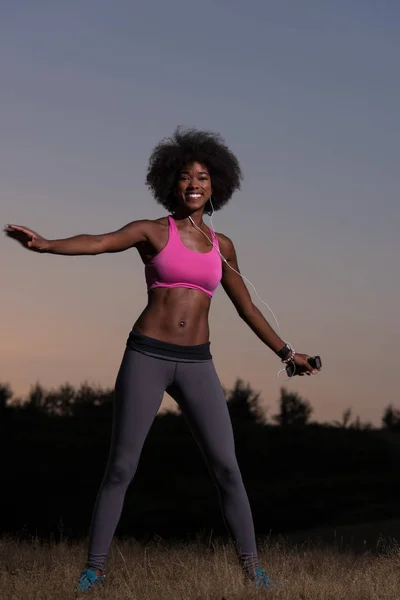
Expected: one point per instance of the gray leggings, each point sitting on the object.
(139, 390)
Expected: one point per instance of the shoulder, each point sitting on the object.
(225, 243)
(222, 238)
(149, 226)
(160, 220)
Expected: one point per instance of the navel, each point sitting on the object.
(182, 323)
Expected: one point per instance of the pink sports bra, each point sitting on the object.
(178, 266)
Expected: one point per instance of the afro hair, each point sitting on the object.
(172, 154)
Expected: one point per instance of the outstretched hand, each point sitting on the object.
(28, 238)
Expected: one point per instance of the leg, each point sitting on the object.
(199, 393)
(139, 390)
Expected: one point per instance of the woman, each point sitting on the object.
(168, 348)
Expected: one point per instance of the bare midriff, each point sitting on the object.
(176, 315)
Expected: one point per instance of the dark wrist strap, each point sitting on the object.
(284, 352)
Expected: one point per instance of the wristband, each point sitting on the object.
(284, 352)
(290, 358)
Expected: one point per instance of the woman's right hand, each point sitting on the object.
(28, 238)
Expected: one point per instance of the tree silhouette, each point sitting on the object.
(345, 422)
(60, 402)
(391, 418)
(88, 398)
(36, 398)
(5, 395)
(243, 403)
(293, 409)
(67, 401)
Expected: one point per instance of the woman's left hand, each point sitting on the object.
(300, 360)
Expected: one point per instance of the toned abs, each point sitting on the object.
(177, 315)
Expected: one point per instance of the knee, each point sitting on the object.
(119, 473)
(227, 473)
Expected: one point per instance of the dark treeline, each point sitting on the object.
(298, 473)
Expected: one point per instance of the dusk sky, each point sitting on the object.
(307, 95)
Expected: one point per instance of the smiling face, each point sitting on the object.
(194, 187)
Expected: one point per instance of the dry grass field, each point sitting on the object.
(163, 571)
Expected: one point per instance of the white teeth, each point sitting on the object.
(194, 195)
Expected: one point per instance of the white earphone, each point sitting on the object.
(240, 274)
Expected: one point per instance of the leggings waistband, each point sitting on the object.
(152, 347)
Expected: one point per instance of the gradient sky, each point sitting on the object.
(307, 95)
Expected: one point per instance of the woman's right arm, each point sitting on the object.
(116, 241)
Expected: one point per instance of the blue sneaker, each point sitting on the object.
(88, 579)
(262, 580)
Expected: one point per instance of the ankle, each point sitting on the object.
(97, 571)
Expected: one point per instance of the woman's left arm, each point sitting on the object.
(238, 293)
